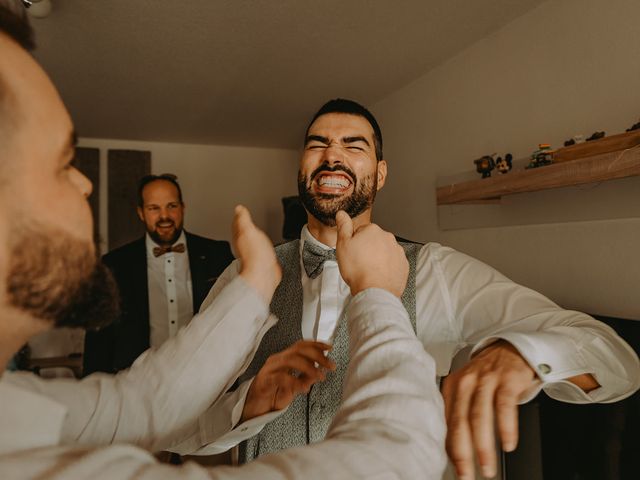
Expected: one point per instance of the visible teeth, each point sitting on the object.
(333, 181)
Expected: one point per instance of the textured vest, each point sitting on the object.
(308, 417)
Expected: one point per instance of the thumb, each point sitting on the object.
(345, 226)
(242, 219)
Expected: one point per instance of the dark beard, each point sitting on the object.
(60, 280)
(325, 206)
(159, 241)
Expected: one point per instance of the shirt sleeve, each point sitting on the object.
(159, 399)
(220, 428)
(486, 306)
(390, 424)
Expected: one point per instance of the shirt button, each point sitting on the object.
(169, 280)
(544, 369)
(171, 300)
(173, 322)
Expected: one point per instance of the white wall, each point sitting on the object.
(567, 67)
(214, 179)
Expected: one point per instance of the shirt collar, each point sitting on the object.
(305, 236)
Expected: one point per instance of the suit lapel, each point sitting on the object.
(197, 263)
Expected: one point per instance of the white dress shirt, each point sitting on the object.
(170, 291)
(389, 426)
(325, 298)
(462, 302)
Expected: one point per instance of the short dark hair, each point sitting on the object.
(147, 179)
(350, 107)
(14, 22)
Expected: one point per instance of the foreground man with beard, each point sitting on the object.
(522, 342)
(49, 276)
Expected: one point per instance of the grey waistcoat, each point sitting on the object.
(309, 416)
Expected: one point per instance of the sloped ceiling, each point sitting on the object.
(245, 72)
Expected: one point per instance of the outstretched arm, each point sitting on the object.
(390, 423)
(523, 342)
(159, 399)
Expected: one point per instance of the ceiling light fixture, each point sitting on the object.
(38, 8)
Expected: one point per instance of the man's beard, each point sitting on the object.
(155, 236)
(324, 206)
(59, 279)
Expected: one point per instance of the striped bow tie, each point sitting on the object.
(313, 258)
(179, 248)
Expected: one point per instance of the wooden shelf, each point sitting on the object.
(591, 169)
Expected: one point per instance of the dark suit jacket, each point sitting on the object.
(116, 347)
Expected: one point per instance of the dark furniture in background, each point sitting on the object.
(295, 217)
(125, 168)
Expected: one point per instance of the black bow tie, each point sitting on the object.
(313, 258)
(179, 248)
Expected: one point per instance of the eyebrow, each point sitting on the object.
(355, 139)
(317, 138)
(325, 140)
(69, 147)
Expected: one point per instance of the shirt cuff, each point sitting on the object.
(554, 358)
(373, 297)
(244, 430)
(250, 294)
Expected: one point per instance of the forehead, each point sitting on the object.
(160, 191)
(42, 125)
(338, 125)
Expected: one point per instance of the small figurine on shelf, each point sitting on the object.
(503, 165)
(596, 136)
(635, 126)
(541, 157)
(573, 140)
(485, 164)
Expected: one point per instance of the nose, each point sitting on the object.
(333, 154)
(164, 213)
(82, 183)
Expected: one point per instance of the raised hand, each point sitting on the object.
(479, 395)
(258, 264)
(370, 257)
(285, 375)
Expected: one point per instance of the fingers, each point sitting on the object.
(241, 220)
(294, 371)
(507, 413)
(300, 355)
(258, 263)
(243, 217)
(484, 393)
(482, 426)
(459, 441)
(285, 375)
(288, 387)
(345, 226)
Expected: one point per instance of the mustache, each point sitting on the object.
(165, 220)
(336, 168)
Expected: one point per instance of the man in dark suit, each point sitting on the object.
(163, 278)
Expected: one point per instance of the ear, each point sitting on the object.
(140, 215)
(382, 173)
